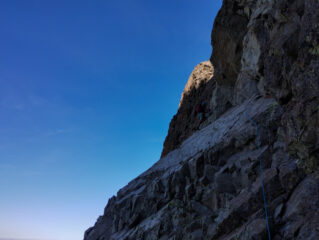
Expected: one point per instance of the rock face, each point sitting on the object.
(207, 185)
(198, 89)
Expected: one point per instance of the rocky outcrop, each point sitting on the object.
(185, 122)
(208, 185)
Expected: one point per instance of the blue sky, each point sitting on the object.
(87, 92)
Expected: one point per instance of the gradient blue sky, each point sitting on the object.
(87, 90)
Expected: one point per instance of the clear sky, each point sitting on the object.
(87, 91)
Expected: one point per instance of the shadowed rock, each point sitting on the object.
(207, 185)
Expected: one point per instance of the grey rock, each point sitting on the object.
(208, 184)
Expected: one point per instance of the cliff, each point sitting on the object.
(262, 91)
(198, 89)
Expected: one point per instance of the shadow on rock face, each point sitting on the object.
(184, 123)
(217, 91)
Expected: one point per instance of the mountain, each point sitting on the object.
(249, 169)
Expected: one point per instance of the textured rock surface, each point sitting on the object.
(207, 184)
(197, 89)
